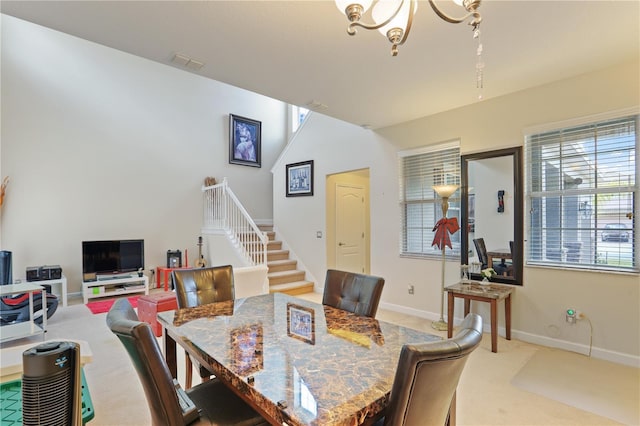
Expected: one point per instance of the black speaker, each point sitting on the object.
(174, 259)
(52, 385)
(5, 267)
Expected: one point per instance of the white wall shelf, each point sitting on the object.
(111, 287)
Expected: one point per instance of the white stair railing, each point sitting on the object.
(223, 211)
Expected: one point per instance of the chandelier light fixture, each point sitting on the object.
(393, 18)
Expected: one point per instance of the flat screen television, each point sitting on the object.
(111, 257)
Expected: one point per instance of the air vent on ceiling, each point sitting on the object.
(316, 106)
(187, 62)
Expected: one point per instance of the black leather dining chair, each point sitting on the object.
(357, 293)
(209, 403)
(200, 286)
(483, 257)
(481, 250)
(427, 377)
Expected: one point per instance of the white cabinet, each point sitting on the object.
(26, 328)
(110, 287)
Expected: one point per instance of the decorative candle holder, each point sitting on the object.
(464, 269)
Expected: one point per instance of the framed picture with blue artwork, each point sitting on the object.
(245, 141)
(301, 323)
(300, 179)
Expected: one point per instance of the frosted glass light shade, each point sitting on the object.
(445, 191)
(458, 2)
(385, 8)
(343, 4)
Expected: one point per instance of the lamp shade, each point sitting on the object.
(383, 10)
(342, 5)
(445, 191)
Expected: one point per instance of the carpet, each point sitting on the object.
(585, 383)
(102, 306)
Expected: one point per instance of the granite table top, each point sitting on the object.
(489, 291)
(302, 362)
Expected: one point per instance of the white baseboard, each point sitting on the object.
(604, 354)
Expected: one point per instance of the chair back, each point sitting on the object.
(143, 348)
(427, 377)
(481, 249)
(357, 293)
(200, 286)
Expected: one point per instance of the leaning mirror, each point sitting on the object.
(492, 218)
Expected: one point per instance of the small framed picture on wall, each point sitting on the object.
(245, 141)
(300, 179)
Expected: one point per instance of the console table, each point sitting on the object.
(490, 293)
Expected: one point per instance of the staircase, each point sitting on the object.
(223, 211)
(283, 275)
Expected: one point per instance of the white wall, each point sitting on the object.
(336, 146)
(101, 144)
(611, 301)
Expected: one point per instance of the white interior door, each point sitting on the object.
(350, 228)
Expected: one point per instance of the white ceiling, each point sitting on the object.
(299, 51)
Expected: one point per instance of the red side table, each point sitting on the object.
(166, 272)
(149, 306)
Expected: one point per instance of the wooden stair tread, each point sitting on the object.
(292, 288)
(285, 273)
(280, 251)
(282, 262)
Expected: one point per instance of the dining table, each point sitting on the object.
(499, 253)
(295, 361)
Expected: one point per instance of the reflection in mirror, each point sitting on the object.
(492, 228)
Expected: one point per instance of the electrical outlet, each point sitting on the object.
(410, 289)
(572, 315)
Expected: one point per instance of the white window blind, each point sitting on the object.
(420, 205)
(582, 195)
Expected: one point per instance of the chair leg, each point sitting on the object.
(188, 371)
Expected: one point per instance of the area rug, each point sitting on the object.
(606, 389)
(102, 306)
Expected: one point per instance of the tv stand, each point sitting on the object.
(118, 285)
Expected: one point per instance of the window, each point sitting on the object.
(421, 208)
(298, 114)
(582, 195)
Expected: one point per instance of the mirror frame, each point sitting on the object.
(518, 197)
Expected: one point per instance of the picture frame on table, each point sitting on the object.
(245, 141)
(299, 179)
(301, 323)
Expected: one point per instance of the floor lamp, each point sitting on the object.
(443, 228)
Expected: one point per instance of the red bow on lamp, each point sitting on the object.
(443, 228)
